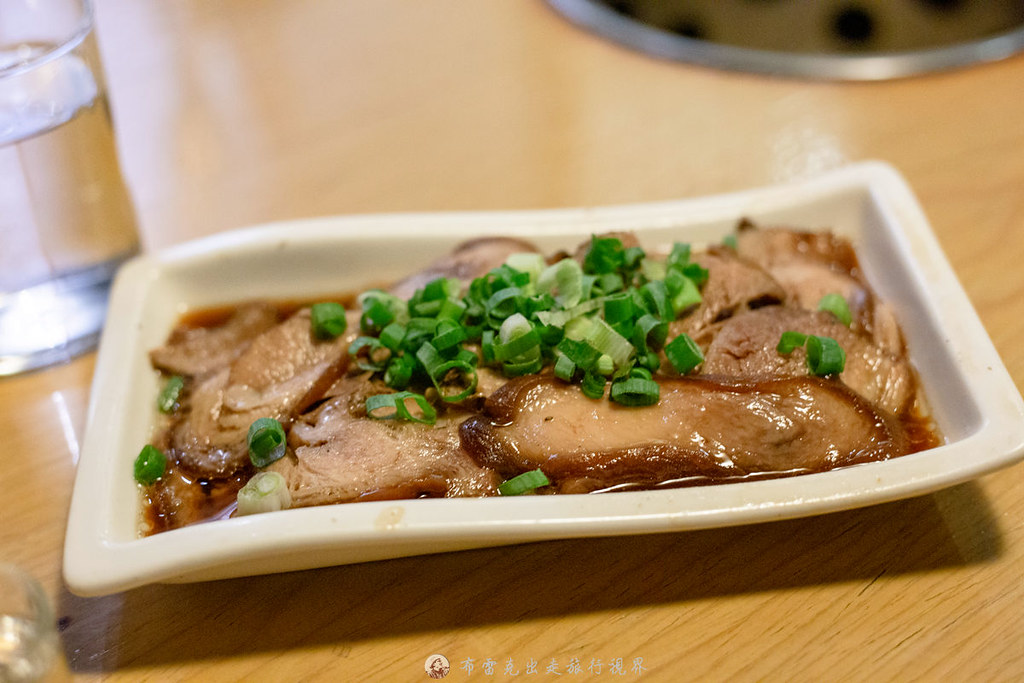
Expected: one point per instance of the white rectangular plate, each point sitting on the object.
(974, 401)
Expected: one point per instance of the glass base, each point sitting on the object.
(55, 321)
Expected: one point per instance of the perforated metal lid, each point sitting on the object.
(824, 39)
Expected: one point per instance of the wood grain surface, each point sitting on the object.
(242, 112)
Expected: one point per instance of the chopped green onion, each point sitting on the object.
(167, 401)
(696, 272)
(825, 356)
(550, 335)
(649, 361)
(440, 289)
(579, 328)
(632, 258)
(606, 340)
(790, 341)
(487, 347)
(686, 296)
(392, 336)
(428, 356)
(149, 465)
(606, 321)
(379, 310)
(537, 303)
(565, 369)
(684, 354)
(652, 270)
(563, 318)
(531, 263)
(730, 242)
(516, 325)
(518, 347)
(609, 283)
(503, 303)
(593, 384)
(421, 325)
(626, 328)
(564, 281)
(265, 492)
(394, 407)
(468, 357)
(617, 308)
(581, 353)
(679, 256)
(328, 319)
(605, 255)
(505, 276)
(529, 366)
(266, 441)
(635, 391)
(439, 370)
(641, 372)
(399, 372)
(655, 297)
(369, 353)
(649, 333)
(448, 334)
(427, 308)
(462, 387)
(836, 305)
(526, 482)
(452, 309)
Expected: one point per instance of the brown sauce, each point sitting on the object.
(180, 495)
(218, 315)
(922, 431)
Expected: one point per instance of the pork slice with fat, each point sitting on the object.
(744, 348)
(468, 261)
(733, 285)
(810, 265)
(339, 455)
(201, 350)
(770, 247)
(282, 372)
(700, 428)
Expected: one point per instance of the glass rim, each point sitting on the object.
(75, 38)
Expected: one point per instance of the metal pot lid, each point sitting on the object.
(865, 40)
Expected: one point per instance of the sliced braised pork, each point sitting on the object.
(769, 247)
(733, 285)
(200, 350)
(700, 428)
(744, 348)
(810, 265)
(338, 455)
(468, 261)
(279, 374)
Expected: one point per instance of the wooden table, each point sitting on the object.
(243, 112)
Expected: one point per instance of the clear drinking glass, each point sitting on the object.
(66, 218)
(28, 630)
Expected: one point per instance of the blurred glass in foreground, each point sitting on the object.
(28, 630)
